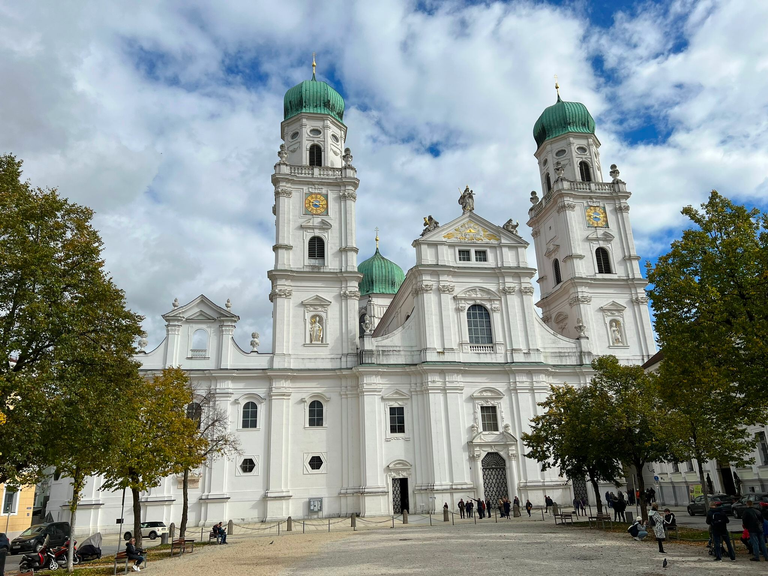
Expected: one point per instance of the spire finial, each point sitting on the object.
(314, 65)
(377, 237)
(557, 87)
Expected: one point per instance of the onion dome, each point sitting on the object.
(561, 118)
(314, 97)
(380, 276)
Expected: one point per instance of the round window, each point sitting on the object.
(335, 138)
(560, 153)
(315, 132)
(546, 161)
(294, 135)
(581, 149)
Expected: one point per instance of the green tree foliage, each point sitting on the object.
(710, 300)
(159, 441)
(573, 434)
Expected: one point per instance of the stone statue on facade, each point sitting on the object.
(559, 170)
(581, 329)
(142, 343)
(367, 324)
(347, 158)
(254, 341)
(534, 197)
(282, 154)
(315, 330)
(615, 174)
(467, 200)
(616, 338)
(511, 226)
(429, 225)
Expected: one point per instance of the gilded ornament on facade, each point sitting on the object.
(471, 232)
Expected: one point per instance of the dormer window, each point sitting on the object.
(481, 256)
(315, 155)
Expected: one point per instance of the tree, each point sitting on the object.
(211, 441)
(158, 441)
(638, 432)
(574, 434)
(66, 337)
(710, 300)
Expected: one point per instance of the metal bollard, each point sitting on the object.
(354, 522)
(289, 525)
(405, 516)
(172, 530)
(230, 528)
(393, 520)
(329, 524)
(202, 528)
(278, 528)
(445, 514)
(430, 517)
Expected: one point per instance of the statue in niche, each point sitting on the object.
(429, 225)
(316, 330)
(511, 226)
(616, 338)
(467, 200)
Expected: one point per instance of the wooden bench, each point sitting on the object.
(183, 545)
(124, 556)
(564, 517)
(669, 528)
(213, 536)
(600, 518)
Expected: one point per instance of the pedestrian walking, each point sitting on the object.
(546, 503)
(488, 507)
(480, 508)
(528, 507)
(718, 521)
(506, 507)
(752, 521)
(657, 521)
(461, 508)
(576, 505)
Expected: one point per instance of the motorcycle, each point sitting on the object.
(44, 559)
(62, 553)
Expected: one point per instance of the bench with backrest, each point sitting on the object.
(183, 545)
(600, 518)
(564, 517)
(120, 556)
(669, 528)
(214, 536)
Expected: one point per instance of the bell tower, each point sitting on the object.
(315, 279)
(589, 272)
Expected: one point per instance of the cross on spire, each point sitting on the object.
(557, 87)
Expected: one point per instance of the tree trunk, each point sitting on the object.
(703, 483)
(136, 516)
(77, 488)
(641, 487)
(185, 504)
(596, 488)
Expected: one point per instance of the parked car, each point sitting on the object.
(696, 505)
(5, 545)
(741, 504)
(31, 540)
(150, 530)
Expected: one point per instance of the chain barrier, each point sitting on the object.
(361, 519)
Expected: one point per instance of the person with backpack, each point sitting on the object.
(718, 520)
(752, 520)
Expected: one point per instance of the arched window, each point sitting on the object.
(199, 344)
(316, 248)
(195, 412)
(556, 270)
(315, 413)
(315, 155)
(479, 325)
(603, 261)
(585, 171)
(250, 415)
(549, 183)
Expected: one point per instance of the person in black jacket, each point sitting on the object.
(718, 520)
(134, 554)
(752, 521)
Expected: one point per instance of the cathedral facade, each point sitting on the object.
(387, 391)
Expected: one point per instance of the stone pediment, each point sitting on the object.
(603, 235)
(502, 442)
(613, 307)
(201, 309)
(552, 249)
(487, 393)
(399, 465)
(470, 228)
(321, 224)
(396, 395)
(316, 302)
(477, 293)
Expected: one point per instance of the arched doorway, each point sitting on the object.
(494, 477)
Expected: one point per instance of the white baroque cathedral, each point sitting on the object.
(387, 391)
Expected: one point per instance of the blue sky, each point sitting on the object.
(165, 118)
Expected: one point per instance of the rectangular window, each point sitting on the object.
(489, 419)
(481, 256)
(9, 501)
(396, 420)
(464, 256)
(762, 448)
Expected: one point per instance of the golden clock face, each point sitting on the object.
(316, 204)
(596, 216)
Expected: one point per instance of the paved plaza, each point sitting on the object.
(520, 546)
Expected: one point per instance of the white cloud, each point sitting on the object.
(165, 118)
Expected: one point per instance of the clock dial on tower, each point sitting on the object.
(316, 204)
(596, 217)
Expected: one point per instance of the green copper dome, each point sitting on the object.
(380, 276)
(314, 97)
(561, 118)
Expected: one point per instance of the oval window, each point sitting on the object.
(294, 135)
(314, 132)
(335, 138)
(560, 153)
(581, 149)
(546, 161)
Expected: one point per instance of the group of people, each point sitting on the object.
(483, 507)
(220, 533)
(754, 524)
(659, 523)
